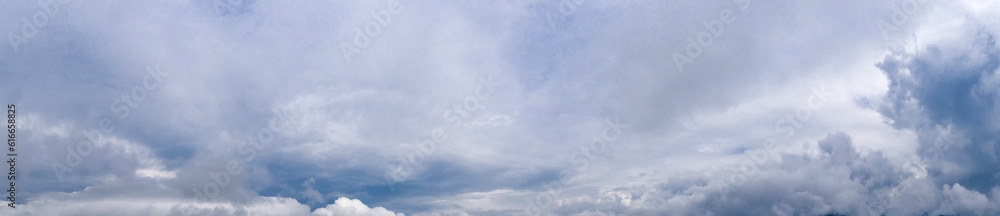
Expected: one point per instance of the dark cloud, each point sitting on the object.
(563, 73)
(837, 179)
(947, 93)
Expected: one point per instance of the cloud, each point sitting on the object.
(829, 177)
(352, 207)
(919, 127)
(147, 201)
(84, 203)
(944, 92)
(947, 93)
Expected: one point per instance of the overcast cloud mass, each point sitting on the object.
(522, 107)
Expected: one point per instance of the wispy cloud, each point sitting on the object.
(566, 107)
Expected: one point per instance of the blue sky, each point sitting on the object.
(599, 107)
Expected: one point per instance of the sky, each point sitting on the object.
(520, 107)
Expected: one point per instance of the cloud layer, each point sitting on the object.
(504, 108)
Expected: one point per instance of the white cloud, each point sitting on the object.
(562, 74)
(93, 202)
(352, 207)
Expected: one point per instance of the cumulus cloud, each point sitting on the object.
(82, 205)
(947, 94)
(105, 201)
(305, 107)
(346, 206)
(830, 176)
